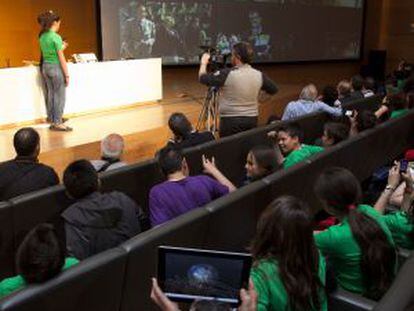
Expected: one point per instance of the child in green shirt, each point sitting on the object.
(400, 223)
(360, 248)
(289, 147)
(39, 259)
(289, 272)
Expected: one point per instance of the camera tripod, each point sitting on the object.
(209, 115)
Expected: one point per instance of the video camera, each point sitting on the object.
(217, 59)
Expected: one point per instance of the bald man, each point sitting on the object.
(307, 103)
(112, 148)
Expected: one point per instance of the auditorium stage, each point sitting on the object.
(143, 126)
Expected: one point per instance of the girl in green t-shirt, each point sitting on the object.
(54, 69)
(400, 223)
(360, 248)
(39, 258)
(288, 272)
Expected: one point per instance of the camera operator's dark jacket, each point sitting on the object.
(240, 88)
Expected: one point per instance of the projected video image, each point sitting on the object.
(174, 30)
(189, 276)
(278, 30)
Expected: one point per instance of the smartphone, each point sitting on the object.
(349, 113)
(403, 166)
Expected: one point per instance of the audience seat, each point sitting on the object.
(134, 180)
(341, 300)
(234, 217)
(7, 248)
(230, 154)
(93, 284)
(403, 255)
(371, 103)
(401, 294)
(399, 297)
(188, 230)
(35, 208)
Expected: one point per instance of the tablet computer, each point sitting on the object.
(187, 274)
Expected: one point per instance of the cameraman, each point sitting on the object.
(239, 89)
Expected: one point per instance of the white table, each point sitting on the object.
(93, 86)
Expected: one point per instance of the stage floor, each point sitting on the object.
(143, 126)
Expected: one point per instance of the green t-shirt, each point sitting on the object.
(13, 284)
(271, 292)
(400, 226)
(399, 113)
(50, 44)
(339, 245)
(301, 154)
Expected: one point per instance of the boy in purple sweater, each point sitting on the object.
(182, 193)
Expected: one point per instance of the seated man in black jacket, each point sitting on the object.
(25, 174)
(184, 134)
(97, 221)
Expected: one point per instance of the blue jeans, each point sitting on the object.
(55, 91)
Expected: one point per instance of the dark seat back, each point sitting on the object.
(231, 152)
(371, 103)
(234, 217)
(401, 294)
(187, 230)
(134, 180)
(93, 284)
(341, 300)
(35, 208)
(7, 248)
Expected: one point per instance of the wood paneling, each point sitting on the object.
(19, 28)
(400, 33)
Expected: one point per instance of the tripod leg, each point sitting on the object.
(201, 123)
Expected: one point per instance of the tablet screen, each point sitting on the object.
(190, 274)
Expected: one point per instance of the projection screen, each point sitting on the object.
(279, 30)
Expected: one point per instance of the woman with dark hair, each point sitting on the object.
(360, 248)
(40, 258)
(400, 223)
(334, 133)
(54, 68)
(288, 272)
(261, 162)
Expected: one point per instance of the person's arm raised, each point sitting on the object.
(381, 111)
(162, 301)
(248, 298)
(393, 182)
(211, 168)
(203, 65)
(279, 156)
(353, 130)
(408, 196)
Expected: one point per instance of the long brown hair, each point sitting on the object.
(341, 192)
(284, 233)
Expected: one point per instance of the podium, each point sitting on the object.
(92, 87)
